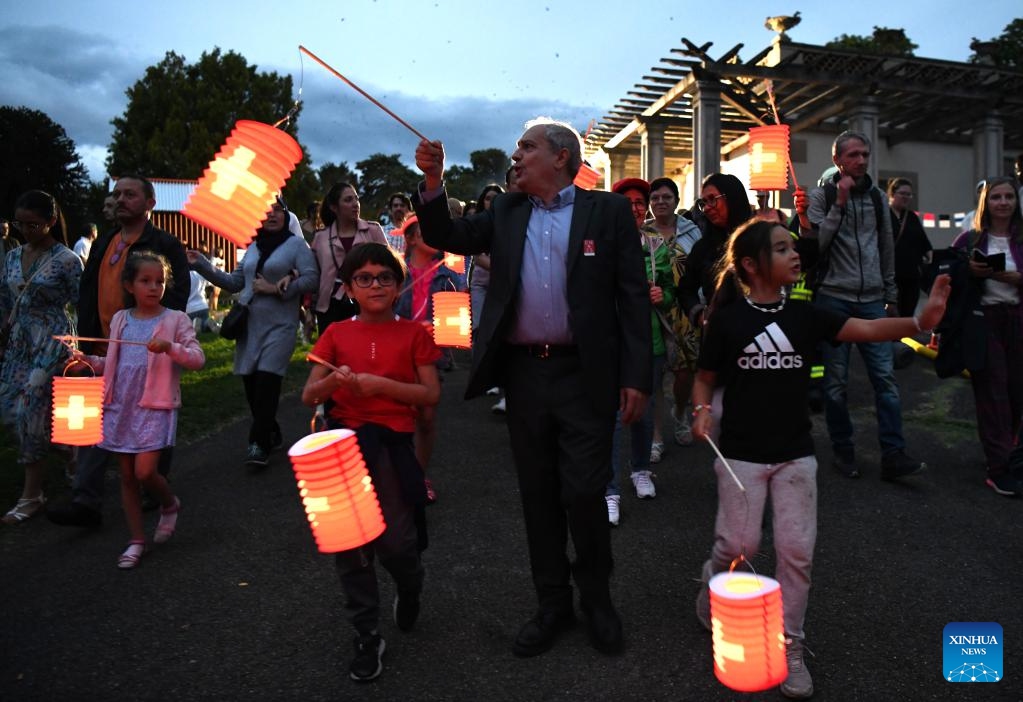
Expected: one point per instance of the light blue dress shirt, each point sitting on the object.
(542, 303)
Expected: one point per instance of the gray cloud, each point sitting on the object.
(79, 80)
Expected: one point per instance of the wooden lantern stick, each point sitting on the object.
(69, 339)
(316, 359)
(362, 92)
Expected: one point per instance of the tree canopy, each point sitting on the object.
(37, 154)
(383, 174)
(893, 42)
(1004, 51)
(487, 166)
(179, 115)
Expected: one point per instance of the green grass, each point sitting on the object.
(211, 399)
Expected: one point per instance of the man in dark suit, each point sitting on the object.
(566, 329)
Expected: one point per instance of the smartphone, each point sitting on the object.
(995, 261)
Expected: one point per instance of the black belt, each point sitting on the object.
(545, 350)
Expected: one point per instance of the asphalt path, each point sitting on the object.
(240, 605)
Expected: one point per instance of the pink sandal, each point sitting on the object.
(132, 555)
(168, 521)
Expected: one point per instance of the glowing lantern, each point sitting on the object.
(452, 321)
(336, 490)
(455, 262)
(587, 177)
(77, 411)
(237, 189)
(769, 157)
(749, 636)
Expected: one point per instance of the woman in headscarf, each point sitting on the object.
(275, 272)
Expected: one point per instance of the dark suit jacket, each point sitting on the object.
(151, 239)
(608, 295)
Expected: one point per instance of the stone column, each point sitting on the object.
(706, 132)
(863, 119)
(617, 158)
(988, 140)
(651, 161)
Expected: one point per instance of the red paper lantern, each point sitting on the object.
(769, 157)
(452, 319)
(336, 490)
(77, 411)
(748, 631)
(455, 263)
(236, 191)
(587, 177)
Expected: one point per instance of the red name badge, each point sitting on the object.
(589, 247)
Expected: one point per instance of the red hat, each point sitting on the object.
(632, 184)
(406, 224)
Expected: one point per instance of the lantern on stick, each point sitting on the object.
(454, 262)
(769, 157)
(587, 177)
(336, 490)
(748, 632)
(77, 410)
(452, 319)
(237, 189)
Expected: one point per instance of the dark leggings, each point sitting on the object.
(263, 392)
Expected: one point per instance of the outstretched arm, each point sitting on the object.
(898, 327)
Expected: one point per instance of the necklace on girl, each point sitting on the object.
(769, 310)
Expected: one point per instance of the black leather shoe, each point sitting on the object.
(75, 514)
(605, 629)
(539, 633)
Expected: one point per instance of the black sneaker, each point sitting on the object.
(897, 464)
(406, 610)
(366, 666)
(845, 463)
(1005, 484)
(256, 456)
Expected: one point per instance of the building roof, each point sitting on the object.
(814, 88)
(171, 195)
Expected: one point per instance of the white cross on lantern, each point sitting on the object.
(75, 412)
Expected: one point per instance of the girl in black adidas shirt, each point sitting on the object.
(758, 346)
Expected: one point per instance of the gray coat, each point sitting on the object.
(271, 332)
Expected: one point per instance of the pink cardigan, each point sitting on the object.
(325, 240)
(163, 372)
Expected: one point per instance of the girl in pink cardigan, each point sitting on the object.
(142, 392)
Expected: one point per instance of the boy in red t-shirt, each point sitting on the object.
(386, 373)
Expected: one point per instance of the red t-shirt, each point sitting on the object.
(389, 349)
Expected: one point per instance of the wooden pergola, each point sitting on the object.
(692, 110)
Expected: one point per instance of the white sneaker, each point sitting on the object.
(494, 391)
(614, 510)
(642, 481)
(656, 451)
(499, 408)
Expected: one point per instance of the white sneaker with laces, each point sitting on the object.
(642, 480)
(494, 391)
(500, 407)
(614, 512)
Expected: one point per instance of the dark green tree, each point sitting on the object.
(486, 166)
(330, 173)
(1004, 51)
(37, 154)
(180, 114)
(891, 42)
(383, 174)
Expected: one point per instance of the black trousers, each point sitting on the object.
(263, 392)
(562, 450)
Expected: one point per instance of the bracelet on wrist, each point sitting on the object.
(700, 408)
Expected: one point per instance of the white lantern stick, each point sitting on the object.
(725, 463)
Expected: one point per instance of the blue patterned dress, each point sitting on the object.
(127, 427)
(33, 356)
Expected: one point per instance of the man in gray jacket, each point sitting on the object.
(858, 279)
